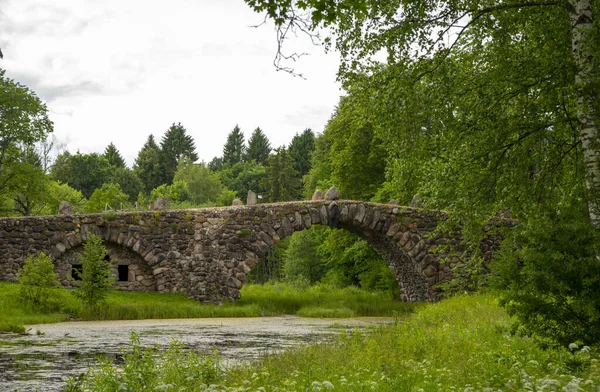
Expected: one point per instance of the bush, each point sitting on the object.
(37, 280)
(550, 272)
(96, 277)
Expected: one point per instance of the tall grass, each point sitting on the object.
(461, 344)
(257, 300)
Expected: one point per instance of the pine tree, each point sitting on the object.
(148, 165)
(281, 181)
(176, 143)
(233, 151)
(259, 147)
(301, 149)
(113, 156)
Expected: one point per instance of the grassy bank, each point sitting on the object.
(257, 300)
(458, 344)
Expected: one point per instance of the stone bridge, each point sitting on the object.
(207, 253)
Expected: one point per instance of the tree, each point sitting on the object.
(233, 151)
(176, 144)
(31, 191)
(301, 149)
(109, 195)
(243, 177)
(348, 155)
(177, 192)
(259, 147)
(113, 156)
(148, 165)
(23, 122)
(129, 182)
(37, 280)
(302, 263)
(63, 192)
(281, 181)
(84, 172)
(204, 186)
(481, 107)
(96, 275)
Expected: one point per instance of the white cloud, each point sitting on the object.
(118, 70)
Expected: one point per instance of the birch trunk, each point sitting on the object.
(583, 39)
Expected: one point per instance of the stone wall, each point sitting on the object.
(207, 253)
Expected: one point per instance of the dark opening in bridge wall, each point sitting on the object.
(123, 272)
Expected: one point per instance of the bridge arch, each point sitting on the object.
(400, 235)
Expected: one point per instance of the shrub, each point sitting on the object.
(550, 273)
(37, 280)
(96, 277)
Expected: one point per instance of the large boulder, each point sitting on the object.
(237, 202)
(65, 208)
(159, 204)
(332, 194)
(318, 195)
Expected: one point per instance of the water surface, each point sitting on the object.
(51, 353)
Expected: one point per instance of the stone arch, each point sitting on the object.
(398, 236)
(121, 251)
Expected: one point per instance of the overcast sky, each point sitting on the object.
(119, 70)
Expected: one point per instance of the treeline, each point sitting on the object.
(94, 182)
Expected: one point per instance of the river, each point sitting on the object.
(51, 353)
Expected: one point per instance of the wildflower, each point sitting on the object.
(328, 385)
(573, 346)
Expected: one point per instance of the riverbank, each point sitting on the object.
(257, 300)
(463, 343)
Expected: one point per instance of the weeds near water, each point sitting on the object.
(461, 344)
(144, 370)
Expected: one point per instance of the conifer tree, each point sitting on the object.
(175, 144)
(148, 165)
(114, 156)
(234, 148)
(301, 149)
(281, 180)
(259, 147)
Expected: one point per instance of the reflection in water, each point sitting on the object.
(43, 362)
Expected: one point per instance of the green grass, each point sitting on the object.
(257, 300)
(460, 344)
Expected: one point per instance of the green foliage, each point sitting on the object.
(234, 149)
(302, 263)
(31, 190)
(97, 277)
(177, 192)
(37, 280)
(550, 272)
(64, 192)
(243, 177)
(281, 181)
(301, 149)
(113, 156)
(148, 165)
(458, 344)
(348, 155)
(84, 172)
(109, 195)
(175, 144)
(259, 147)
(204, 186)
(142, 370)
(23, 122)
(129, 182)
